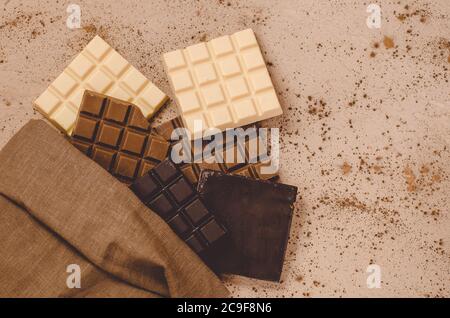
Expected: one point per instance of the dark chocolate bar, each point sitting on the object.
(167, 192)
(257, 214)
(117, 136)
(247, 165)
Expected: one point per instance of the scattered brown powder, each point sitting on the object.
(424, 169)
(346, 168)
(388, 42)
(352, 203)
(377, 168)
(410, 179)
(90, 28)
(401, 17)
(317, 107)
(423, 14)
(444, 44)
(20, 19)
(436, 178)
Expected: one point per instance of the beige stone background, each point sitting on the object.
(365, 131)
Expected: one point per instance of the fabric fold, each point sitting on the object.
(63, 207)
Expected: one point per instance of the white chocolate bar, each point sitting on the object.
(101, 69)
(224, 82)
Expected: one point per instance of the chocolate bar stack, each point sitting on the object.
(221, 198)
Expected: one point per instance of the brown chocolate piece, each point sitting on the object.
(247, 166)
(117, 136)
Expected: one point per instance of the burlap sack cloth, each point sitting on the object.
(58, 207)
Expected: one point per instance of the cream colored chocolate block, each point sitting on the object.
(101, 69)
(224, 83)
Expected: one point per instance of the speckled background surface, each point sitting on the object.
(365, 131)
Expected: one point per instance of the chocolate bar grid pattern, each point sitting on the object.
(101, 69)
(115, 134)
(224, 82)
(166, 191)
(251, 167)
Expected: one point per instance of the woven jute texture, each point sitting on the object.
(58, 207)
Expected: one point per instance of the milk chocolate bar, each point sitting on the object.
(244, 162)
(101, 69)
(116, 135)
(257, 214)
(167, 192)
(223, 83)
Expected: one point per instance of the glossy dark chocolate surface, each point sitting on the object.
(117, 136)
(257, 214)
(167, 192)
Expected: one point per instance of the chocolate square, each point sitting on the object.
(86, 128)
(196, 211)
(93, 105)
(103, 157)
(126, 166)
(166, 171)
(145, 167)
(212, 231)
(181, 190)
(83, 147)
(189, 173)
(156, 148)
(162, 205)
(116, 111)
(138, 121)
(179, 225)
(109, 135)
(133, 142)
